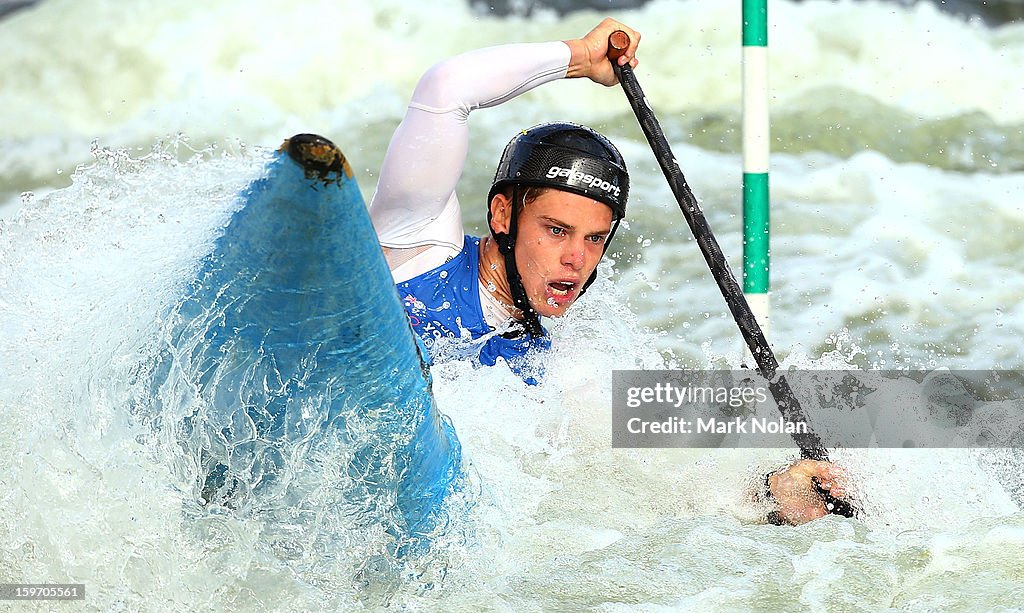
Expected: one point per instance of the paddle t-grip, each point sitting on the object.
(618, 42)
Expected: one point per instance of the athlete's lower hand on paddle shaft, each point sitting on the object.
(794, 491)
(590, 53)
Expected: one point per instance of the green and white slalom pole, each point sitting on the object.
(756, 148)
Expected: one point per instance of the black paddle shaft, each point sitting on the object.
(810, 444)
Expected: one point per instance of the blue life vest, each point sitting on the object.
(444, 303)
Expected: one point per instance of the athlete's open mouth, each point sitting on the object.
(561, 288)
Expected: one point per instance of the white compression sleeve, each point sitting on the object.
(415, 203)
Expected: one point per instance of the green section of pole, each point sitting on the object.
(755, 23)
(756, 226)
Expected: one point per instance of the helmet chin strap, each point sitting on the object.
(506, 246)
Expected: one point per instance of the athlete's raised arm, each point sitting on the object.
(415, 203)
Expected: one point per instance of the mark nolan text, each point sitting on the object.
(713, 425)
(751, 425)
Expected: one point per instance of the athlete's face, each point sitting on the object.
(560, 240)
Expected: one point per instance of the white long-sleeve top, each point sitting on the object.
(415, 210)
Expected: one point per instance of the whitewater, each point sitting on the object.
(127, 129)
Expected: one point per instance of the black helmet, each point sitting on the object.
(564, 156)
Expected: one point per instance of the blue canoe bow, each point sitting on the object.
(293, 328)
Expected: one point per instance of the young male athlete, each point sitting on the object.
(558, 196)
